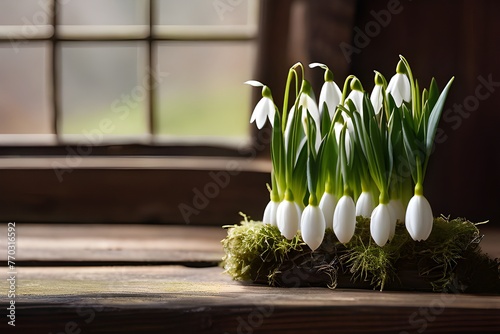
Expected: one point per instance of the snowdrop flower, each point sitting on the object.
(399, 85)
(288, 218)
(377, 96)
(270, 213)
(397, 213)
(419, 218)
(356, 95)
(380, 225)
(265, 107)
(327, 205)
(365, 205)
(308, 105)
(330, 94)
(312, 226)
(344, 219)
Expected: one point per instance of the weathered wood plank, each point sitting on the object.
(205, 196)
(169, 299)
(116, 243)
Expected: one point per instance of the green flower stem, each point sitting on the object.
(291, 75)
(275, 197)
(328, 185)
(420, 177)
(346, 88)
(347, 191)
(313, 199)
(419, 189)
(384, 197)
(413, 87)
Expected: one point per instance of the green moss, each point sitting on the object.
(449, 260)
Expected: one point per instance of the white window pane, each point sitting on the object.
(104, 12)
(25, 96)
(206, 12)
(204, 94)
(25, 12)
(104, 88)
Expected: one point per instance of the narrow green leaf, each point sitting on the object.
(299, 175)
(410, 147)
(326, 122)
(434, 118)
(344, 167)
(278, 154)
(433, 94)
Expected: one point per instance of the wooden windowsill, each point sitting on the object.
(165, 279)
(133, 189)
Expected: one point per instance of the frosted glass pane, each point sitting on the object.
(25, 100)
(104, 12)
(204, 12)
(104, 83)
(25, 12)
(204, 94)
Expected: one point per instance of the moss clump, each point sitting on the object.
(251, 245)
(449, 260)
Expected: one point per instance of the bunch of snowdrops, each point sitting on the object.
(350, 153)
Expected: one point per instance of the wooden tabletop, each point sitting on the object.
(165, 279)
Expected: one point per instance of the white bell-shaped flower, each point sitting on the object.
(344, 219)
(327, 205)
(377, 95)
(365, 204)
(288, 218)
(270, 213)
(308, 103)
(330, 95)
(356, 95)
(399, 86)
(419, 218)
(265, 108)
(377, 98)
(397, 213)
(380, 225)
(310, 107)
(312, 226)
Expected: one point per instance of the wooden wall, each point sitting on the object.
(449, 38)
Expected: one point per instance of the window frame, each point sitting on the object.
(150, 143)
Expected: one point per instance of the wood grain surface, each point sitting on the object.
(98, 287)
(171, 299)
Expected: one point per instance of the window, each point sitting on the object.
(121, 110)
(99, 72)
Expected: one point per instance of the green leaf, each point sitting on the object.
(295, 137)
(299, 175)
(344, 166)
(312, 168)
(278, 154)
(409, 141)
(434, 118)
(395, 127)
(416, 106)
(433, 94)
(326, 122)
